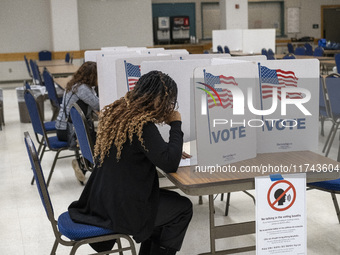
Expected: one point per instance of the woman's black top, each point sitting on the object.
(123, 195)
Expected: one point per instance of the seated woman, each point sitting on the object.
(123, 192)
(80, 89)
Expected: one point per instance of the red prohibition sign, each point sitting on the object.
(272, 204)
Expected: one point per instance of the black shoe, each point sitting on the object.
(145, 247)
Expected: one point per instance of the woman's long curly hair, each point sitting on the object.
(152, 100)
(86, 74)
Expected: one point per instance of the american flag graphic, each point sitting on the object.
(132, 75)
(225, 94)
(277, 78)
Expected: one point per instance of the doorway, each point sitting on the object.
(330, 15)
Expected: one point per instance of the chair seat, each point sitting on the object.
(55, 143)
(333, 185)
(77, 231)
(50, 125)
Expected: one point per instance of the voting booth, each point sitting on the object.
(181, 71)
(245, 40)
(222, 136)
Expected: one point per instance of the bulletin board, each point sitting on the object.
(293, 19)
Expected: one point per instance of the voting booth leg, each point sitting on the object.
(225, 231)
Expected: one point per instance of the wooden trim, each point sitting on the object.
(19, 56)
(322, 9)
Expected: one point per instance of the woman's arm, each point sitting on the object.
(88, 96)
(162, 154)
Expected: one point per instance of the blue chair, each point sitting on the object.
(77, 233)
(226, 49)
(337, 62)
(309, 49)
(50, 142)
(28, 67)
(300, 50)
(289, 56)
(318, 52)
(332, 82)
(290, 48)
(85, 140)
(270, 54)
(333, 187)
(37, 80)
(264, 52)
(49, 126)
(52, 94)
(45, 55)
(219, 49)
(323, 105)
(67, 57)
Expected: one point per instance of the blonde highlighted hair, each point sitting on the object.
(152, 100)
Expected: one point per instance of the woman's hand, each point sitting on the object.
(185, 155)
(174, 116)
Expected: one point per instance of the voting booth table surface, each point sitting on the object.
(195, 183)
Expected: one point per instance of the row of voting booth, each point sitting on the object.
(232, 107)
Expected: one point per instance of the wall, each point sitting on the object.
(114, 23)
(64, 17)
(25, 26)
(35, 25)
(310, 14)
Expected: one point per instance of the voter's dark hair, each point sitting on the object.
(86, 74)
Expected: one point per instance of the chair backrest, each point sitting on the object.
(289, 56)
(264, 52)
(51, 91)
(45, 55)
(26, 85)
(34, 112)
(270, 54)
(67, 57)
(82, 131)
(39, 177)
(226, 49)
(28, 67)
(219, 49)
(323, 99)
(309, 49)
(300, 50)
(36, 73)
(290, 48)
(337, 62)
(333, 91)
(318, 52)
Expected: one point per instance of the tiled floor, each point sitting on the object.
(24, 228)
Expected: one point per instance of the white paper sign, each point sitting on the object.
(281, 215)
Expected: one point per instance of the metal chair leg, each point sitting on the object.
(336, 205)
(52, 168)
(332, 139)
(328, 137)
